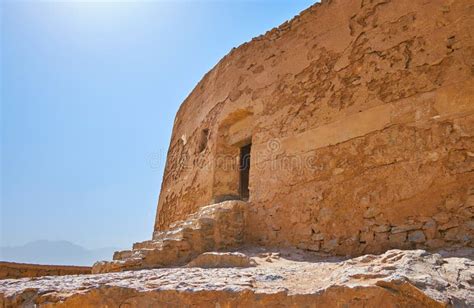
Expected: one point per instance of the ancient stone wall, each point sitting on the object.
(12, 270)
(361, 120)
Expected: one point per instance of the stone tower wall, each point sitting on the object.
(361, 119)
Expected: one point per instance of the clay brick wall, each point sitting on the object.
(361, 119)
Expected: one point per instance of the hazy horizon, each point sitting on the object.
(55, 252)
(89, 92)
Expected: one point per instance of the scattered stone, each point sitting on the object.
(269, 277)
(276, 255)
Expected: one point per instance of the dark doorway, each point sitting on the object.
(244, 171)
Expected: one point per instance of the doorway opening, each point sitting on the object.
(231, 168)
(244, 171)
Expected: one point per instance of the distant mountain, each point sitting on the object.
(55, 252)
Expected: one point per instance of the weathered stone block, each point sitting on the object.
(451, 234)
(448, 225)
(442, 218)
(367, 237)
(405, 228)
(317, 237)
(382, 228)
(416, 237)
(371, 212)
(469, 224)
(430, 229)
(435, 243)
(314, 246)
(330, 245)
(398, 239)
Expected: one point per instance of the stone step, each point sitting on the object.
(130, 254)
(213, 227)
(146, 244)
(123, 254)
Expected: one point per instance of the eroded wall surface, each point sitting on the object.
(361, 119)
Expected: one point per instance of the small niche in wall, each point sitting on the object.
(203, 140)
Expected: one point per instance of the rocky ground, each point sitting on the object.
(396, 278)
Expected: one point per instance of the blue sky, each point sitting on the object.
(89, 92)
